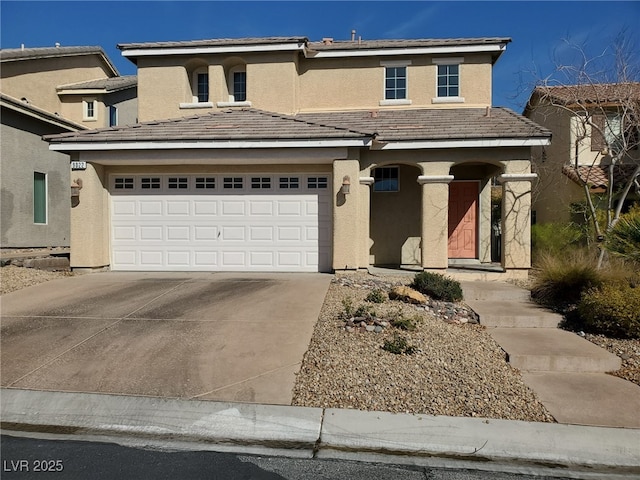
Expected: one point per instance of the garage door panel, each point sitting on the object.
(150, 207)
(214, 230)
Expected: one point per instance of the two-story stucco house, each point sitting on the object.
(47, 91)
(282, 154)
(579, 153)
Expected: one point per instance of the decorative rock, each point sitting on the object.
(377, 329)
(408, 295)
(370, 328)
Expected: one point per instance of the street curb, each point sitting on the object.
(331, 433)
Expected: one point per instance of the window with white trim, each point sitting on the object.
(314, 183)
(147, 183)
(289, 183)
(233, 183)
(239, 86)
(260, 182)
(123, 183)
(448, 81)
(385, 179)
(89, 109)
(39, 197)
(205, 183)
(201, 85)
(181, 183)
(395, 83)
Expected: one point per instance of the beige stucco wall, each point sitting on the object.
(37, 79)
(288, 83)
(358, 83)
(165, 83)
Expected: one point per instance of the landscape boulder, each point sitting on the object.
(408, 295)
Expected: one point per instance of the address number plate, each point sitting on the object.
(78, 165)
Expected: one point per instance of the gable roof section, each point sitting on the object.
(236, 128)
(105, 85)
(252, 128)
(23, 54)
(24, 108)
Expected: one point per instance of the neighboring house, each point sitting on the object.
(47, 91)
(578, 153)
(281, 154)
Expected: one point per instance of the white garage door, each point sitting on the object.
(221, 222)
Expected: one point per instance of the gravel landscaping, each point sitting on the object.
(14, 278)
(456, 370)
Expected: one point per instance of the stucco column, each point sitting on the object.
(516, 220)
(90, 247)
(365, 184)
(435, 220)
(349, 221)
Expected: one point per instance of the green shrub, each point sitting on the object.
(560, 280)
(399, 345)
(624, 239)
(437, 286)
(364, 310)
(612, 309)
(376, 296)
(555, 238)
(347, 304)
(404, 323)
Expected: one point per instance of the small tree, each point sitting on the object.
(601, 94)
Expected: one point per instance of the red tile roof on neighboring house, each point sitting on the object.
(597, 176)
(590, 93)
(387, 125)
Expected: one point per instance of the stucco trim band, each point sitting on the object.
(517, 177)
(422, 179)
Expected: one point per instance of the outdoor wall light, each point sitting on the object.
(346, 185)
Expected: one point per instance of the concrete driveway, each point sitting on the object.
(211, 336)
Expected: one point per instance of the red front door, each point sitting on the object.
(463, 223)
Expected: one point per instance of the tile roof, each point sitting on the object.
(434, 124)
(214, 42)
(386, 125)
(406, 43)
(20, 54)
(235, 124)
(591, 93)
(109, 84)
(24, 107)
(597, 176)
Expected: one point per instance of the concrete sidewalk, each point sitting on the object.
(486, 444)
(567, 372)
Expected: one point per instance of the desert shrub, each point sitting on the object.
(405, 323)
(560, 280)
(624, 239)
(376, 296)
(399, 345)
(437, 286)
(612, 309)
(555, 238)
(347, 305)
(365, 310)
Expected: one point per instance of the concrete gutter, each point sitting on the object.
(498, 445)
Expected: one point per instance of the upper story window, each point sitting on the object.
(239, 86)
(90, 109)
(113, 116)
(613, 131)
(201, 86)
(385, 179)
(448, 80)
(236, 76)
(198, 76)
(395, 82)
(395, 87)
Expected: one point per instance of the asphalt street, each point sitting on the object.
(28, 458)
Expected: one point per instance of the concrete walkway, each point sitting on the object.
(566, 371)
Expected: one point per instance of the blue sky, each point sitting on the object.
(538, 29)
